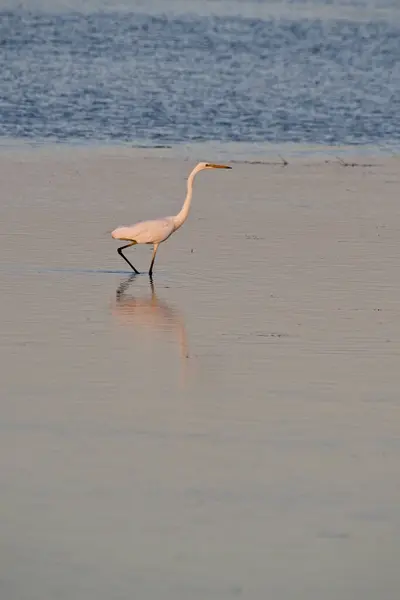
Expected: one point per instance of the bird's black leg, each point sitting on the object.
(119, 250)
(152, 260)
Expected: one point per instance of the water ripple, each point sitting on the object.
(123, 77)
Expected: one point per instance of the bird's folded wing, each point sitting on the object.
(149, 232)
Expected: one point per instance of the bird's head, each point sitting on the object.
(206, 165)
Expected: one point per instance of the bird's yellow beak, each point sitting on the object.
(212, 166)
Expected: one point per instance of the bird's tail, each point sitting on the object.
(122, 233)
(118, 233)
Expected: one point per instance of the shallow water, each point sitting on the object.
(232, 432)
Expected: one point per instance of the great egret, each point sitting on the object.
(155, 232)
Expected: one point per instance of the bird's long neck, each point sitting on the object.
(183, 214)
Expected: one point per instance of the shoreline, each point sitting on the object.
(236, 152)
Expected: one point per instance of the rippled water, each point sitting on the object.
(169, 77)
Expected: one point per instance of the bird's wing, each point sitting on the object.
(151, 232)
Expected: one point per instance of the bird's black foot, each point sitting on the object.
(119, 250)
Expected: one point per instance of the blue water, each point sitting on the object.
(126, 76)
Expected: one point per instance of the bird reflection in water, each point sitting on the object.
(153, 314)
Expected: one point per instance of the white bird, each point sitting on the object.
(155, 232)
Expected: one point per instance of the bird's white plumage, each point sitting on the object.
(159, 230)
(146, 232)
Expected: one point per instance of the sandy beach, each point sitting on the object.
(232, 431)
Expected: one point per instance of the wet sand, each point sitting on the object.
(232, 432)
